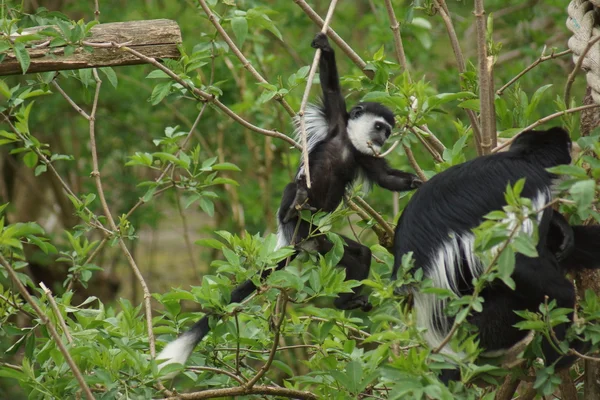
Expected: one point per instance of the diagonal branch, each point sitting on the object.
(44, 319)
(309, 81)
(245, 62)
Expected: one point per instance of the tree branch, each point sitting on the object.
(580, 60)
(543, 121)
(346, 49)
(245, 62)
(460, 62)
(309, 81)
(540, 60)
(487, 115)
(56, 310)
(51, 329)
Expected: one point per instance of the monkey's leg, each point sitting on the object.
(357, 262)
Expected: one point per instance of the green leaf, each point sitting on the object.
(22, 56)
(40, 169)
(160, 92)
(240, 29)
(226, 167)
(30, 159)
(354, 373)
(5, 90)
(583, 194)
(207, 205)
(110, 75)
(157, 74)
(472, 104)
(209, 242)
(524, 245)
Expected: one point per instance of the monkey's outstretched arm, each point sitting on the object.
(333, 100)
(378, 171)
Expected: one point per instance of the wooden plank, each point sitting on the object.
(154, 38)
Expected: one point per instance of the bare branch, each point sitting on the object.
(460, 62)
(309, 81)
(413, 162)
(217, 371)
(580, 60)
(346, 49)
(44, 320)
(540, 60)
(487, 115)
(98, 181)
(209, 98)
(241, 391)
(281, 307)
(245, 62)
(395, 27)
(57, 312)
(543, 121)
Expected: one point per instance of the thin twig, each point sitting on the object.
(208, 97)
(243, 391)
(346, 49)
(383, 223)
(186, 235)
(580, 60)
(70, 101)
(217, 371)
(387, 152)
(57, 312)
(98, 181)
(51, 329)
(382, 234)
(543, 121)
(460, 62)
(433, 140)
(96, 11)
(534, 64)
(281, 306)
(487, 115)
(280, 348)
(245, 62)
(309, 81)
(413, 162)
(399, 46)
(437, 157)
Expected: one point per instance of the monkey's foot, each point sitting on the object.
(361, 301)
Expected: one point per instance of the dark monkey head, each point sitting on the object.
(549, 148)
(369, 126)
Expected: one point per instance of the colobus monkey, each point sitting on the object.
(341, 147)
(436, 226)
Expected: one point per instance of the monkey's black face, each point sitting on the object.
(369, 126)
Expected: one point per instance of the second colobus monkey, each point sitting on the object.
(436, 227)
(341, 147)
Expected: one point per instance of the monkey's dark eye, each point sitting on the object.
(378, 126)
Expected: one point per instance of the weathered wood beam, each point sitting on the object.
(157, 38)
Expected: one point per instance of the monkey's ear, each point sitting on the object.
(356, 112)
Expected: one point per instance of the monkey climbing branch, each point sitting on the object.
(309, 80)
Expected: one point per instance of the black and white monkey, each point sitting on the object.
(341, 147)
(436, 226)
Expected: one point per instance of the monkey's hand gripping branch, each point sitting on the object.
(300, 202)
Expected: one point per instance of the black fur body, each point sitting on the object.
(436, 226)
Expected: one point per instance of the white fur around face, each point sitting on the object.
(361, 132)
